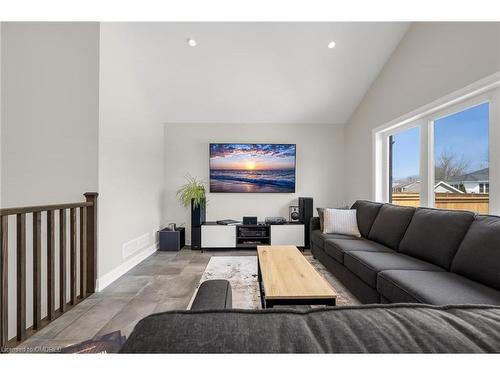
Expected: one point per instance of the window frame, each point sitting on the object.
(486, 90)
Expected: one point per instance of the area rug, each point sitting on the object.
(241, 272)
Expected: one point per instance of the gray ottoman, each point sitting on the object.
(213, 295)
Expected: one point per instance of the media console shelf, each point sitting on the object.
(250, 236)
(242, 236)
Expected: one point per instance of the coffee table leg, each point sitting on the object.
(332, 303)
(261, 287)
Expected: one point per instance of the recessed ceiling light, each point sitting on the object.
(331, 44)
(191, 42)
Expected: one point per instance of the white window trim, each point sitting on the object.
(487, 89)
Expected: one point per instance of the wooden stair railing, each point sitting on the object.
(88, 257)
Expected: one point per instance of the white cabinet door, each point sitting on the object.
(218, 236)
(292, 234)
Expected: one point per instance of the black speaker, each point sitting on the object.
(293, 214)
(249, 220)
(198, 217)
(305, 215)
(196, 238)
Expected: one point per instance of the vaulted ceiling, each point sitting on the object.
(256, 72)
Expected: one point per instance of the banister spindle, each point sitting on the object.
(62, 260)
(37, 269)
(4, 251)
(21, 276)
(72, 258)
(50, 266)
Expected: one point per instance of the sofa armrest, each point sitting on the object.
(313, 225)
(213, 294)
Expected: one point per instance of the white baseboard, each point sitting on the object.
(103, 281)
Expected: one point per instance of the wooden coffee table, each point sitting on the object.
(287, 278)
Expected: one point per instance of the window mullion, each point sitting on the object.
(494, 154)
(426, 162)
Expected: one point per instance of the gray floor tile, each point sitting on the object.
(163, 282)
(89, 324)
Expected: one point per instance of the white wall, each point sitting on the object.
(130, 159)
(432, 60)
(49, 126)
(319, 173)
(49, 112)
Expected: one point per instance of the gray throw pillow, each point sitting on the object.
(321, 214)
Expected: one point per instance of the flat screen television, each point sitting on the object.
(252, 168)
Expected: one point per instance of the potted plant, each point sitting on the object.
(193, 194)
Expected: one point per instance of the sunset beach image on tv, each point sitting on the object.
(252, 168)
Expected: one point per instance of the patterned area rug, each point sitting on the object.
(241, 271)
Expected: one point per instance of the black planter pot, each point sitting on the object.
(198, 217)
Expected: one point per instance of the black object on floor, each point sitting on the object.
(198, 217)
(172, 240)
(109, 343)
(305, 215)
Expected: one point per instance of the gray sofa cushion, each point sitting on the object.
(438, 288)
(478, 257)
(319, 237)
(435, 235)
(390, 224)
(352, 329)
(366, 265)
(366, 212)
(213, 294)
(337, 247)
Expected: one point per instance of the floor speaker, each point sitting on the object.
(198, 217)
(196, 238)
(305, 214)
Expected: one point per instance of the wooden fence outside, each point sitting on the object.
(470, 202)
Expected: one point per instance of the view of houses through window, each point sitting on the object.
(461, 160)
(461, 168)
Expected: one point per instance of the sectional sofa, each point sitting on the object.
(421, 255)
(437, 273)
(211, 326)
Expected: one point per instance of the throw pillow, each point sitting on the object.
(321, 215)
(340, 222)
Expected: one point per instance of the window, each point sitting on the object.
(445, 154)
(484, 188)
(404, 168)
(461, 150)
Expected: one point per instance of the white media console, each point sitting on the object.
(230, 236)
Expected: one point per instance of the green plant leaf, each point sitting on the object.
(192, 190)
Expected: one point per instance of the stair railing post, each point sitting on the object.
(91, 241)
